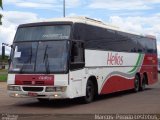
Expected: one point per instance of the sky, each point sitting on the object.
(138, 16)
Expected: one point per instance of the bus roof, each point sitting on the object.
(94, 22)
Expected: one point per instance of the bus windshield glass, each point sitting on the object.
(39, 57)
(54, 32)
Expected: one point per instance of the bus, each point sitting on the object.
(79, 57)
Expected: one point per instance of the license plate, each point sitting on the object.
(32, 94)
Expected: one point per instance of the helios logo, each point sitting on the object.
(114, 59)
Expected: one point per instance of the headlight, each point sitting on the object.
(50, 89)
(17, 88)
(14, 88)
(56, 89)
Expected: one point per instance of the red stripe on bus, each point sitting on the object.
(117, 83)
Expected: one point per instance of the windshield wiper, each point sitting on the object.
(45, 59)
(29, 60)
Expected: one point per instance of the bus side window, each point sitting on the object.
(74, 51)
(77, 55)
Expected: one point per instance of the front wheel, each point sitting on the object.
(90, 92)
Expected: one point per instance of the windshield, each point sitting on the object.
(39, 57)
(54, 32)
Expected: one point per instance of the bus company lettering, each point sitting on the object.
(114, 59)
(45, 78)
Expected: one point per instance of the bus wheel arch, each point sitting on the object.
(94, 80)
(91, 89)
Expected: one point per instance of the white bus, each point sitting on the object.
(79, 57)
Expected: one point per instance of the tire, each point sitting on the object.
(143, 84)
(90, 92)
(136, 84)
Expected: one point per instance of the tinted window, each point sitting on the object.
(79, 31)
(77, 52)
(77, 55)
(43, 33)
(107, 39)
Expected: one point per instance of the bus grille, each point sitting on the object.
(36, 83)
(34, 89)
(27, 82)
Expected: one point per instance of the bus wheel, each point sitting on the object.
(136, 84)
(143, 85)
(90, 90)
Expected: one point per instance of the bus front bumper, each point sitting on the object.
(32, 91)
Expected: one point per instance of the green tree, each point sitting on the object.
(1, 14)
(1, 4)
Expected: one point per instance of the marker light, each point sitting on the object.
(56, 89)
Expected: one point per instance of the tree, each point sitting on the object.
(1, 14)
(1, 4)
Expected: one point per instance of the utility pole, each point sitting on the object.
(64, 5)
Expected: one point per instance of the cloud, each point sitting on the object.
(149, 25)
(16, 17)
(11, 20)
(6, 36)
(35, 5)
(43, 4)
(73, 3)
(31, 1)
(40, 4)
(123, 4)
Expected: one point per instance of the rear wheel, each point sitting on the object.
(90, 92)
(143, 85)
(136, 83)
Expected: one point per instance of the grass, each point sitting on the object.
(3, 78)
(3, 75)
(3, 70)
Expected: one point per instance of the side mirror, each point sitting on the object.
(11, 46)
(9, 60)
